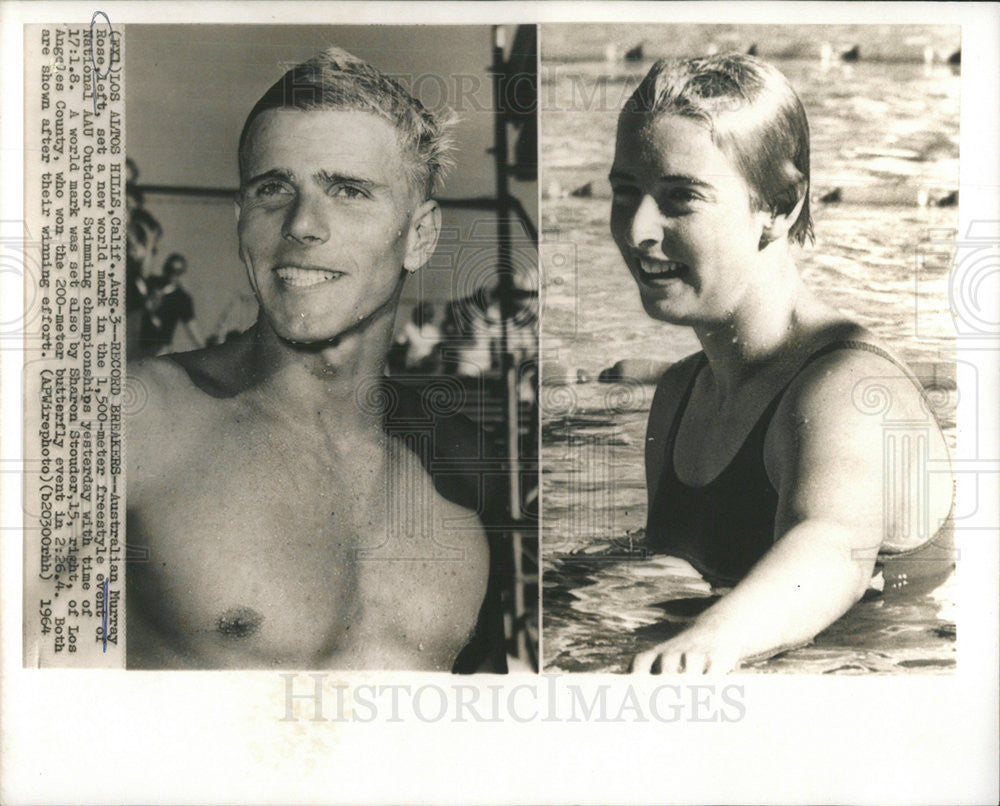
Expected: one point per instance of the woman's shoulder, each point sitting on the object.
(846, 354)
(854, 426)
(850, 387)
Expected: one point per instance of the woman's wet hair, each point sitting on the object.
(754, 117)
(336, 80)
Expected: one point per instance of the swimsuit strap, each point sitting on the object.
(764, 421)
(854, 344)
(849, 344)
(700, 361)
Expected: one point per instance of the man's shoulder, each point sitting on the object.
(158, 383)
(154, 383)
(211, 371)
(166, 392)
(431, 468)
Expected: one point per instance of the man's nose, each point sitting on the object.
(647, 224)
(306, 221)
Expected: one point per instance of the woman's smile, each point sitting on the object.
(655, 270)
(683, 218)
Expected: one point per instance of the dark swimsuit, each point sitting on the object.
(724, 527)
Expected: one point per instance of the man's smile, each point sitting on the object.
(296, 276)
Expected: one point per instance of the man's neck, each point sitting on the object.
(333, 386)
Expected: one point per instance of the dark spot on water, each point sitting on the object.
(239, 622)
(832, 197)
(849, 668)
(917, 663)
(946, 631)
(687, 608)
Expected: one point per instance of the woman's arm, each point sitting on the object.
(826, 454)
(804, 583)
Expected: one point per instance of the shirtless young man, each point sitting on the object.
(283, 526)
(765, 468)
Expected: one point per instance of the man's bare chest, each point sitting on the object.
(284, 562)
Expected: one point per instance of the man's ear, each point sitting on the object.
(778, 224)
(237, 212)
(425, 227)
(244, 257)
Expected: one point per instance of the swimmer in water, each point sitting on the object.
(765, 468)
(283, 525)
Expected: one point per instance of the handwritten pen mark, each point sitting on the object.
(104, 615)
(113, 37)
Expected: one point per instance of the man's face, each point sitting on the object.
(682, 219)
(326, 219)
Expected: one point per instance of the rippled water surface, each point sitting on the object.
(887, 135)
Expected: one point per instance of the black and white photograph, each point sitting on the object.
(747, 420)
(332, 341)
(499, 402)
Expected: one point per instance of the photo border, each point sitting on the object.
(219, 736)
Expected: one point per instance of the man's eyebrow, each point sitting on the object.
(273, 173)
(326, 177)
(333, 177)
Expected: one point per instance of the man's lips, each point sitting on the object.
(652, 269)
(299, 276)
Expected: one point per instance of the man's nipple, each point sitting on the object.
(239, 622)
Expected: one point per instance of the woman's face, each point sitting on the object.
(683, 219)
